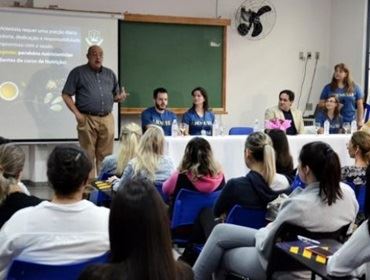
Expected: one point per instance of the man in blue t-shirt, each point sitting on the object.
(158, 115)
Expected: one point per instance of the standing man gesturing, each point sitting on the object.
(95, 89)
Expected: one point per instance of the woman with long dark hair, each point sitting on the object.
(198, 120)
(331, 114)
(246, 251)
(283, 158)
(140, 237)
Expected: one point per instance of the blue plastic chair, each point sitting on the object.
(241, 130)
(248, 217)
(99, 197)
(366, 112)
(360, 192)
(297, 182)
(35, 271)
(187, 206)
(158, 186)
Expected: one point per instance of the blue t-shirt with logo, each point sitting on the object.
(197, 123)
(347, 99)
(335, 124)
(164, 120)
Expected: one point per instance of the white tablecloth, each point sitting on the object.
(229, 150)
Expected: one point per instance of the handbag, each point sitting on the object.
(273, 207)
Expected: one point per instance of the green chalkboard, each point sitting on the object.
(176, 56)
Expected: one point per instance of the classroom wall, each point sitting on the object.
(348, 40)
(258, 70)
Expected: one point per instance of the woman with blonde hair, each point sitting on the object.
(349, 94)
(13, 194)
(358, 148)
(115, 164)
(198, 170)
(149, 162)
(260, 185)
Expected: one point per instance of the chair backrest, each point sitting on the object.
(188, 204)
(104, 176)
(360, 192)
(297, 182)
(366, 112)
(240, 130)
(158, 186)
(99, 197)
(248, 217)
(36, 271)
(288, 232)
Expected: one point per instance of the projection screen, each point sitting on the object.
(37, 50)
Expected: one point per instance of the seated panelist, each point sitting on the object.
(284, 111)
(198, 120)
(158, 114)
(330, 113)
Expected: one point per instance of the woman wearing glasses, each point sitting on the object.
(330, 113)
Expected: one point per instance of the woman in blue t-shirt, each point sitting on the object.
(198, 120)
(330, 113)
(349, 94)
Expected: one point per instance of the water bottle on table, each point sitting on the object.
(174, 128)
(353, 126)
(326, 127)
(215, 128)
(256, 126)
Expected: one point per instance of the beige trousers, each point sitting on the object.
(96, 135)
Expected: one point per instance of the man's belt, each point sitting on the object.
(100, 114)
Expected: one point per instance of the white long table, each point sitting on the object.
(229, 150)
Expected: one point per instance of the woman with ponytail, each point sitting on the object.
(198, 170)
(113, 165)
(359, 149)
(261, 185)
(246, 251)
(13, 194)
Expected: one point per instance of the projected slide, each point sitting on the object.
(37, 51)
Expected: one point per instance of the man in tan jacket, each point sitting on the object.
(284, 111)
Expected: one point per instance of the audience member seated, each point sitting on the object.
(65, 230)
(253, 190)
(13, 194)
(353, 258)
(113, 165)
(140, 241)
(245, 251)
(198, 170)
(284, 111)
(330, 113)
(256, 188)
(348, 93)
(283, 158)
(359, 149)
(158, 115)
(149, 161)
(198, 120)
